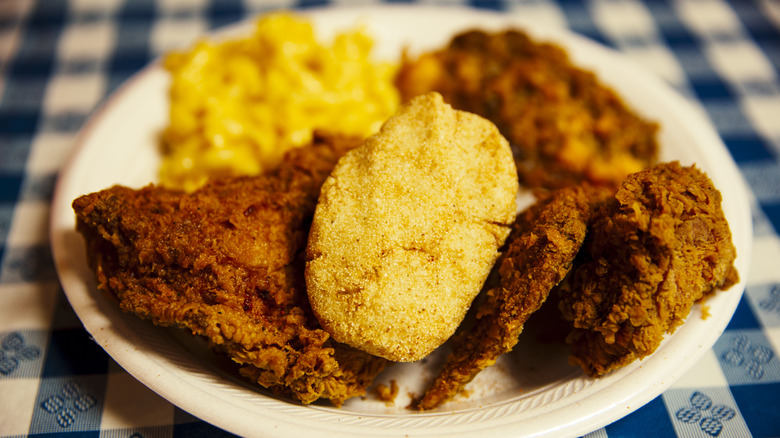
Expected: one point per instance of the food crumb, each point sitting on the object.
(385, 393)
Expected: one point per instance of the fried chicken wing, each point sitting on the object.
(541, 247)
(565, 125)
(226, 263)
(661, 244)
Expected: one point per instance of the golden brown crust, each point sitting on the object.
(407, 229)
(565, 125)
(544, 241)
(658, 246)
(225, 262)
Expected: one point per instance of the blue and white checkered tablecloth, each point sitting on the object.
(60, 58)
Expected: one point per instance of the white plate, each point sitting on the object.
(532, 391)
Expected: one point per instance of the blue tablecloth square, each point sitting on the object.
(743, 317)
(654, 417)
(9, 187)
(200, 429)
(67, 350)
(18, 122)
(760, 409)
(225, 12)
(747, 148)
(712, 88)
(773, 212)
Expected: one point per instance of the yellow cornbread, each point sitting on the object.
(407, 228)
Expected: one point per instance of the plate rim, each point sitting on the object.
(235, 419)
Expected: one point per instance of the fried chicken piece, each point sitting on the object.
(226, 263)
(565, 125)
(661, 244)
(541, 247)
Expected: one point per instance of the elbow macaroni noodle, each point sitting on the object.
(238, 105)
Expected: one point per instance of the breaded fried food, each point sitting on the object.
(407, 229)
(226, 263)
(565, 126)
(661, 244)
(545, 239)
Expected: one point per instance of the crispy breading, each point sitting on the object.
(661, 244)
(226, 263)
(564, 124)
(544, 241)
(408, 228)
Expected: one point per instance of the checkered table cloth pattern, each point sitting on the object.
(61, 58)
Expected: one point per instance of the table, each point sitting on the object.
(59, 59)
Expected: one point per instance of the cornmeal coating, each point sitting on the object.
(661, 244)
(407, 229)
(226, 263)
(565, 125)
(545, 239)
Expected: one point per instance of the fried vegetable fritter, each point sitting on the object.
(408, 228)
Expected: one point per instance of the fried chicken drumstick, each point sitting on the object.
(541, 247)
(661, 244)
(225, 262)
